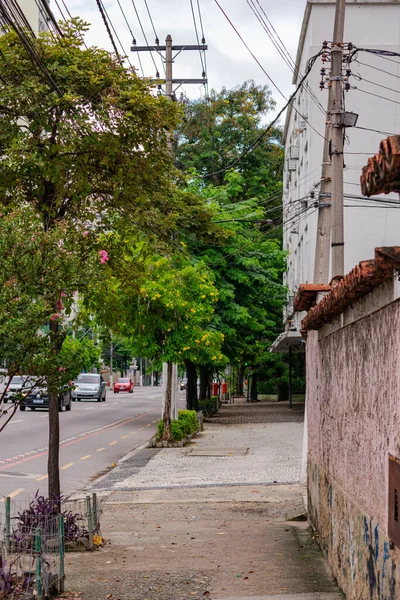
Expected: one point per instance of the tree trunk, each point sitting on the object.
(239, 381)
(253, 388)
(203, 382)
(53, 467)
(209, 384)
(192, 402)
(283, 393)
(53, 462)
(167, 407)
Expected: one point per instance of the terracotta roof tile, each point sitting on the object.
(355, 285)
(381, 174)
(307, 294)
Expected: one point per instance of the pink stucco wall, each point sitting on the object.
(353, 406)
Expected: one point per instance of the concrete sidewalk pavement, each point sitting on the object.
(218, 519)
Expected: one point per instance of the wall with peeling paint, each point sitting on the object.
(353, 410)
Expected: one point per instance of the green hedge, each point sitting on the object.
(209, 407)
(187, 424)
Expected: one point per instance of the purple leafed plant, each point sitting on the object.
(40, 513)
(7, 579)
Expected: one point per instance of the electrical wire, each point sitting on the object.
(144, 35)
(154, 29)
(197, 37)
(281, 48)
(370, 206)
(257, 141)
(264, 71)
(110, 35)
(378, 69)
(203, 41)
(13, 16)
(376, 95)
(374, 130)
(380, 85)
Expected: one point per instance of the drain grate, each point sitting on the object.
(218, 452)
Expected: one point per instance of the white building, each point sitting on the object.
(368, 24)
(36, 17)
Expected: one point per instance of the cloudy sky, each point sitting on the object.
(228, 61)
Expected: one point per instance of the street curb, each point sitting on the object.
(78, 494)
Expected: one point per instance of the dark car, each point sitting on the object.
(89, 386)
(123, 384)
(38, 397)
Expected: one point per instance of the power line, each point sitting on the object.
(380, 85)
(145, 37)
(376, 95)
(265, 72)
(281, 48)
(374, 130)
(197, 38)
(256, 142)
(110, 35)
(378, 69)
(154, 29)
(203, 40)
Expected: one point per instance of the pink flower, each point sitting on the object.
(54, 317)
(103, 256)
(85, 233)
(59, 305)
(61, 369)
(63, 295)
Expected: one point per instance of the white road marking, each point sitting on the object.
(18, 421)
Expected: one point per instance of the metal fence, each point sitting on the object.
(33, 542)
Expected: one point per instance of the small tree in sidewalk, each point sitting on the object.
(41, 272)
(166, 314)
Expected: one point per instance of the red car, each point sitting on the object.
(124, 384)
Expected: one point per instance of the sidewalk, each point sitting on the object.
(216, 520)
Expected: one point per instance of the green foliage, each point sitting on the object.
(188, 420)
(187, 424)
(247, 268)
(209, 407)
(216, 131)
(79, 354)
(40, 275)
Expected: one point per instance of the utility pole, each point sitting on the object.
(169, 59)
(330, 228)
(337, 141)
(323, 245)
(168, 66)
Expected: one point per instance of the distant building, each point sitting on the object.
(368, 24)
(35, 16)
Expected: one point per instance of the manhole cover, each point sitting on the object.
(218, 452)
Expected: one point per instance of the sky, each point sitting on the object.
(228, 62)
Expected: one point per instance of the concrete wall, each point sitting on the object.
(368, 24)
(353, 411)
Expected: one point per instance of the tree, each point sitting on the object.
(217, 130)
(41, 272)
(166, 313)
(247, 267)
(85, 150)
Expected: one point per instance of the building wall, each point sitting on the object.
(35, 17)
(353, 412)
(371, 24)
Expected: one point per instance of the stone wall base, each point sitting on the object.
(362, 558)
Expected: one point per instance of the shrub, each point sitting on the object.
(209, 407)
(188, 420)
(186, 424)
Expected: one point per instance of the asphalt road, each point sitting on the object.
(94, 435)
